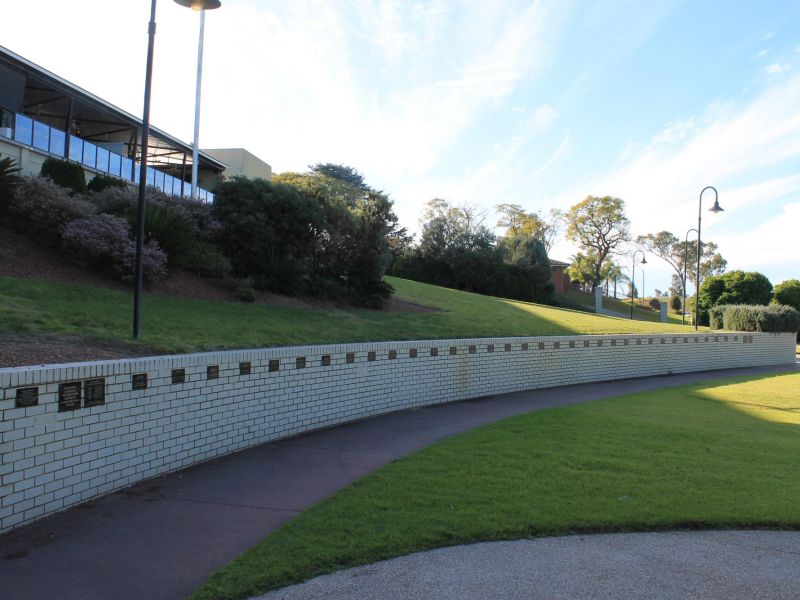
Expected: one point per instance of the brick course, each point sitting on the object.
(199, 406)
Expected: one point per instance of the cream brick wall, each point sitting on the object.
(54, 459)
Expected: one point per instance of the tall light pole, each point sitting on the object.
(714, 209)
(685, 270)
(148, 81)
(633, 275)
(202, 7)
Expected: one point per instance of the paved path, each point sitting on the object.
(160, 539)
(746, 565)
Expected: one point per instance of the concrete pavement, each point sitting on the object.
(161, 538)
(751, 565)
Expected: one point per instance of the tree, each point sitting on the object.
(518, 222)
(599, 226)
(682, 257)
(788, 293)
(733, 287)
(675, 303)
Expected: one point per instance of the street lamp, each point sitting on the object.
(201, 7)
(685, 270)
(148, 80)
(633, 275)
(714, 209)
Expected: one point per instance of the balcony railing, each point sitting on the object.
(50, 140)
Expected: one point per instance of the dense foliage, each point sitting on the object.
(788, 293)
(733, 287)
(323, 233)
(66, 174)
(457, 251)
(774, 318)
(101, 182)
(9, 178)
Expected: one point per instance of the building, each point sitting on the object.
(43, 115)
(241, 162)
(561, 281)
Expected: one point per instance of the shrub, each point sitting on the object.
(675, 303)
(104, 242)
(41, 208)
(733, 287)
(246, 294)
(202, 258)
(654, 304)
(171, 231)
(715, 316)
(9, 178)
(102, 182)
(773, 318)
(788, 293)
(66, 174)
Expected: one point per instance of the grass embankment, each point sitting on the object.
(622, 307)
(182, 325)
(713, 455)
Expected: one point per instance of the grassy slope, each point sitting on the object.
(620, 306)
(181, 325)
(713, 455)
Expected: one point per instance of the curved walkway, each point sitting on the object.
(674, 565)
(163, 537)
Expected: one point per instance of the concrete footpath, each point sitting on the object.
(163, 537)
(683, 565)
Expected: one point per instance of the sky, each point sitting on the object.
(534, 103)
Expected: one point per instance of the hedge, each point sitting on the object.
(775, 318)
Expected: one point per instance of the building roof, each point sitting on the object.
(44, 88)
(558, 263)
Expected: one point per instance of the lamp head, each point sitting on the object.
(716, 208)
(644, 261)
(199, 4)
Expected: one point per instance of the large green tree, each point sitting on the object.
(600, 228)
(788, 293)
(733, 287)
(682, 256)
(518, 222)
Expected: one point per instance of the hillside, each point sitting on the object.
(77, 319)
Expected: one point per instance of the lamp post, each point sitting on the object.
(633, 275)
(148, 80)
(202, 7)
(685, 270)
(714, 209)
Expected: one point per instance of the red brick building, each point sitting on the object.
(560, 279)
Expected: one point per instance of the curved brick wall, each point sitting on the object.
(74, 432)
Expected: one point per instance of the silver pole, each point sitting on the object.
(197, 103)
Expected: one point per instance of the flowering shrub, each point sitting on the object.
(41, 208)
(104, 241)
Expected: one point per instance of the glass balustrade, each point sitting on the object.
(53, 141)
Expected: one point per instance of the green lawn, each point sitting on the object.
(180, 325)
(712, 455)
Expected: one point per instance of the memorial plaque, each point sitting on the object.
(300, 362)
(351, 357)
(508, 347)
(472, 349)
(178, 376)
(556, 345)
(212, 372)
(94, 391)
(585, 343)
(392, 354)
(139, 381)
(274, 365)
(245, 368)
(412, 353)
(541, 345)
(326, 360)
(572, 344)
(371, 356)
(434, 352)
(525, 346)
(28, 396)
(490, 348)
(69, 396)
(453, 350)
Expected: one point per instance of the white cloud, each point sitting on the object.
(778, 68)
(762, 53)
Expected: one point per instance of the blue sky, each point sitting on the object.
(537, 103)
